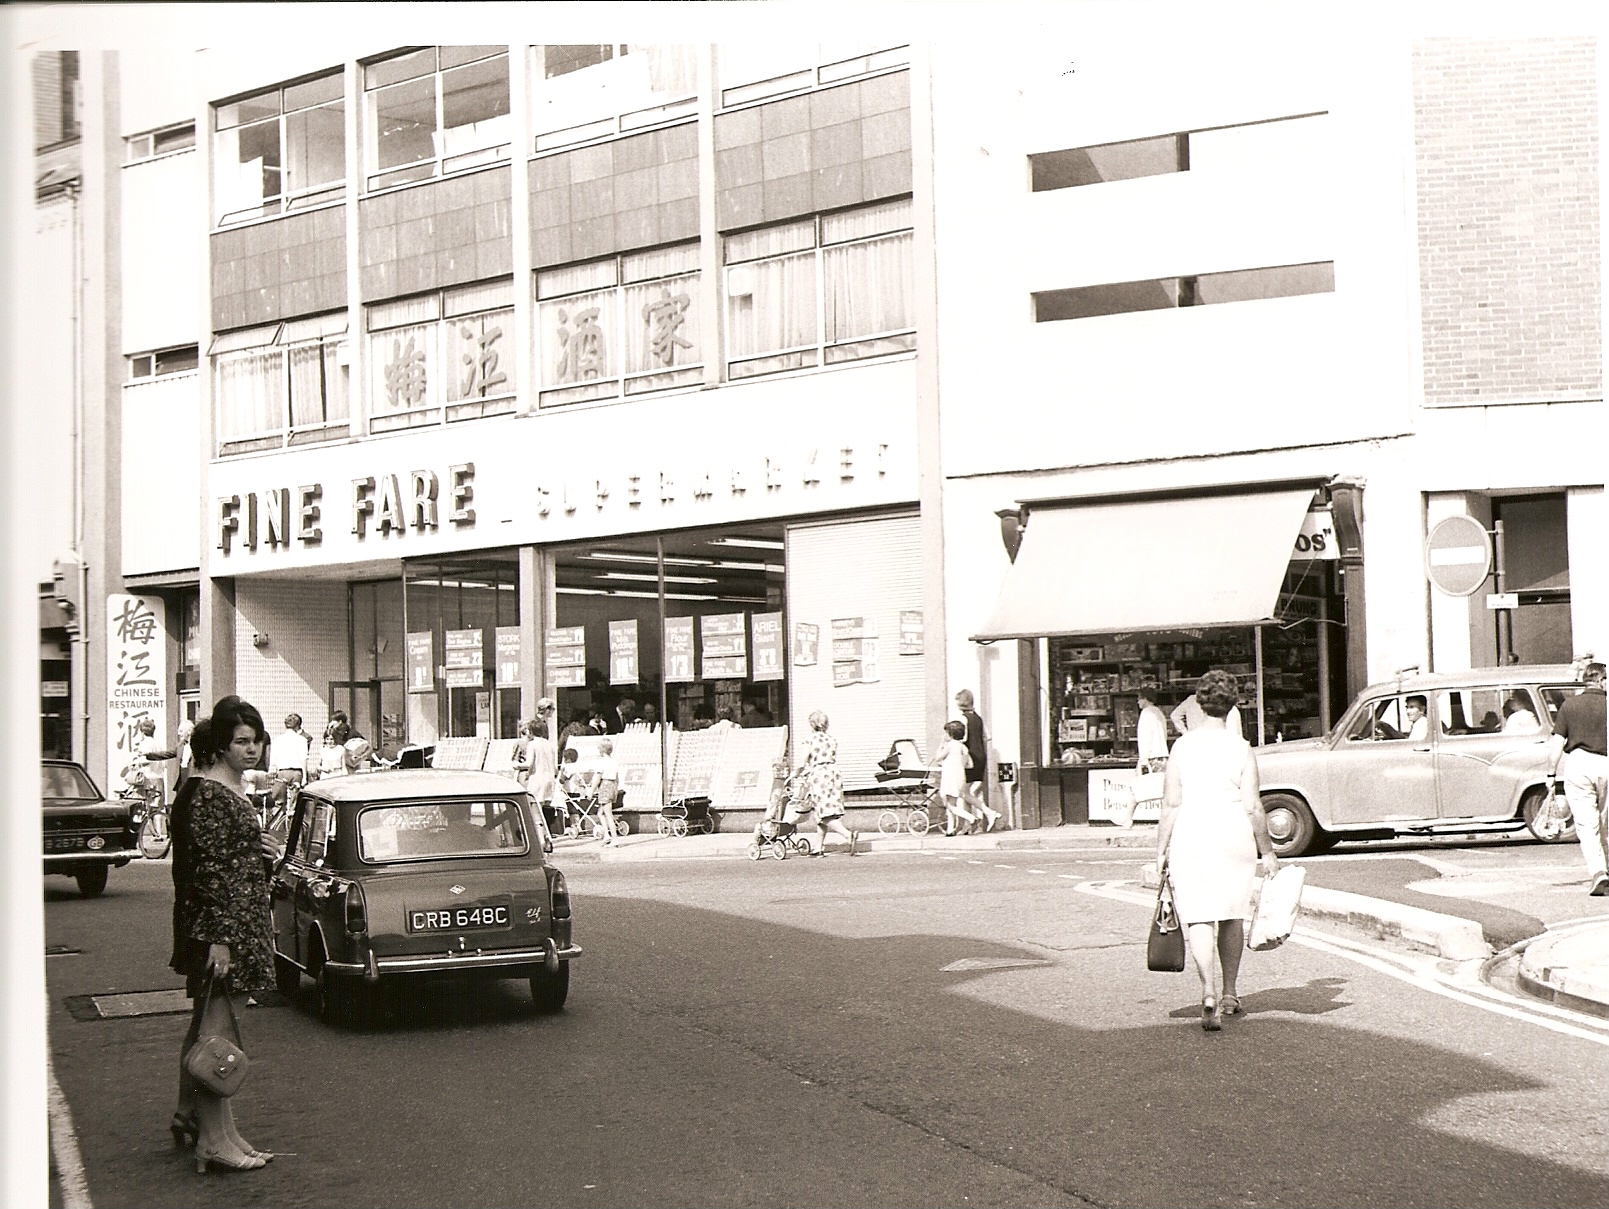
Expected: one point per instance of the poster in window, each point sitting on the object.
(507, 640)
(724, 643)
(421, 662)
(466, 649)
(854, 627)
(565, 659)
(623, 651)
(806, 642)
(767, 631)
(911, 632)
(679, 650)
(465, 677)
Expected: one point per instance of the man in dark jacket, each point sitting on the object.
(1578, 740)
(976, 790)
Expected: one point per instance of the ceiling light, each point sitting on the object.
(670, 579)
(758, 543)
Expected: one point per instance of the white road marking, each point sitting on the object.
(1036, 871)
(974, 862)
(1005, 866)
(64, 1151)
(1072, 877)
(1420, 973)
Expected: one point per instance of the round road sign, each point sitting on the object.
(1458, 555)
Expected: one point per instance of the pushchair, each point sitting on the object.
(685, 816)
(584, 815)
(775, 835)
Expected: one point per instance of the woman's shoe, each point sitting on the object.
(206, 1159)
(1210, 1019)
(184, 1129)
(1230, 1006)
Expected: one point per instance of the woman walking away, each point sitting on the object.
(1211, 834)
(952, 760)
(824, 784)
(221, 925)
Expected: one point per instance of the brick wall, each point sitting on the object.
(449, 232)
(1506, 142)
(307, 631)
(290, 266)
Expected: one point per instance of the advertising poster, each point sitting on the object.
(566, 657)
(466, 649)
(724, 653)
(806, 642)
(1110, 791)
(911, 632)
(845, 672)
(854, 660)
(679, 650)
(421, 662)
(623, 651)
(854, 627)
(136, 679)
(507, 641)
(767, 632)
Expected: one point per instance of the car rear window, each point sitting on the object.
(452, 828)
(64, 783)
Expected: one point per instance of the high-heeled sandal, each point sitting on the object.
(184, 1129)
(1230, 1006)
(207, 1159)
(1210, 1020)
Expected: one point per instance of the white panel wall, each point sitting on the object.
(1587, 522)
(43, 304)
(161, 255)
(158, 88)
(161, 480)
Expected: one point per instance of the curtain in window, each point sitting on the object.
(404, 360)
(576, 336)
(318, 385)
(480, 356)
(868, 288)
(660, 327)
(770, 241)
(771, 305)
(250, 395)
(316, 148)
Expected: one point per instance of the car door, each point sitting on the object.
(1378, 774)
(313, 884)
(1480, 767)
(287, 880)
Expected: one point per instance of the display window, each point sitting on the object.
(461, 620)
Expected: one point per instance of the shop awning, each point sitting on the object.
(1158, 564)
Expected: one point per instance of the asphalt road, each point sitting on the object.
(912, 1029)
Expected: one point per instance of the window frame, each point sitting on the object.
(131, 143)
(285, 338)
(153, 361)
(441, 162)
(307, 197)
(446, 308)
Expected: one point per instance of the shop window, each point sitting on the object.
(181, 360)
(434, 111)
(821, 291)
(588, 92)
(159, 142)
(280, 149)
(281, 385)
(754, 71)
(1206, 289)
(458, 678)
(625, 325)
(442, 356)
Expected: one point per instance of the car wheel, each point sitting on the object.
(919, 822)
(338, 1000)
(155, 840)
(92, 881)
(1291, 825)
(549, 991)
(888, 822)
(1556, 832)
(754, 852)
(287, 978)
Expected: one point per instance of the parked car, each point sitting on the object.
(1478, 760)
(390, 877)
(86, 835)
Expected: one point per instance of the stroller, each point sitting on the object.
(584, 816)
(775, 835)
(684, 816)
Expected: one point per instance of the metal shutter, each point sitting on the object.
(864, 568)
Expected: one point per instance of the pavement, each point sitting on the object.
(1567, 964)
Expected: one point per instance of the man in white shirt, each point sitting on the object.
(1189, 713)
(1152, 732)
(287, 754)
(1415, 710)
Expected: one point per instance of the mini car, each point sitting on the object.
(86, 835)
(393, 876)
(1421, 755)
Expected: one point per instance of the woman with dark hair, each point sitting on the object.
(222, 932)
(1211, 833)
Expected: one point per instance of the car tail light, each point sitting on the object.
(357, 913)
(560, 890)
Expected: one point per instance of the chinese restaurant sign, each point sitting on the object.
(136, 679)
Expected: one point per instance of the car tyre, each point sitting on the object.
(287, 977)
(1560, 833)
(888, 822)
(549, 991)
(1291, 826)
(92, 881)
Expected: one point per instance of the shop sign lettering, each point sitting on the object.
(387, 504)
(136, 676)
(1316, 538)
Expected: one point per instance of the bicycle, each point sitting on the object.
(154, 839)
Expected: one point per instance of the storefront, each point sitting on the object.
(1111, 595)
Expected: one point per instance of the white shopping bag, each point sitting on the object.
(1275, 913)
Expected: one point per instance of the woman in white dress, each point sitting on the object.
(1211, 834)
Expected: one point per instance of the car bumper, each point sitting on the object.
(449, 963)
(104, 856)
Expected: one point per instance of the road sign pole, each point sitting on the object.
(1505, 617)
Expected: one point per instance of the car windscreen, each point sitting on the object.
(452, 827)
(65, 783)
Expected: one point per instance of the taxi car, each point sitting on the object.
(408, 874)
(86, 835)
(1477, 760)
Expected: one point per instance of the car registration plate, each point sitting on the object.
(457, 919)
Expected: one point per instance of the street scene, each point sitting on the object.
(878, 605)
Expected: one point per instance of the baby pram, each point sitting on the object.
(776, 835)
(584, 815)
(685, 816)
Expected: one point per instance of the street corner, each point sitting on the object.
(1569, 965)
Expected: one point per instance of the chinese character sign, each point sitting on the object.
(767, 632)
(583, 345)
(404, 368)
(482, 356)
(136, 679)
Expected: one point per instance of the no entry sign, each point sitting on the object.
(1458, 555)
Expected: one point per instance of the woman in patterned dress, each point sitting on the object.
(222, 928)
(823, 784)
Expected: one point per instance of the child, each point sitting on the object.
(952, 761)
(766, 828)
(571, 784)
(606, 784)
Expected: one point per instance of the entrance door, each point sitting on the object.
(361, 701)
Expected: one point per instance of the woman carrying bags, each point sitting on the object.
(1211, 834)
(222, 934)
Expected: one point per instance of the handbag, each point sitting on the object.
(1274, 916)
(1164, 943)
(217, 1063)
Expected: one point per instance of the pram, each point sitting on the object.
(775, 834)
(583, 814)
(684, 816)
(904, 773)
